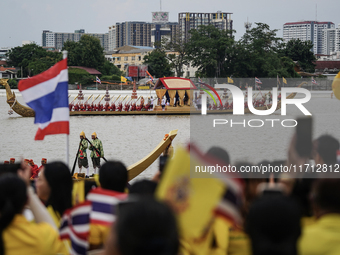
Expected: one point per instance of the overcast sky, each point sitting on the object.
(22, 20)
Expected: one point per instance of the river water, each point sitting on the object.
(124, 138)
(130, 138)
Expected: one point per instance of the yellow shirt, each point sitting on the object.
(24, 237)
(322, 237)
(55, 216)
(221, 239)
(239, 242)
(98, 234)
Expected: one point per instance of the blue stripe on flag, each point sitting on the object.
(43, 107)
(79, 249)
(80, 219)
(101, 207)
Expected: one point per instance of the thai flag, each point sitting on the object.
(98, 80)
(230, 204)
(75, 226)
(314, 81)
(104, 205)
(257, 80)
(47, 95)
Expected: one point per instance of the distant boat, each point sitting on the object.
(172, 86)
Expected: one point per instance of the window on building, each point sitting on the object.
(118, 58)
(119, 66)
(139, 58)
(133, 58)
(126, 58)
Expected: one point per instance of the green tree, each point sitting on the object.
(261, 44)
(176, 52)
(24, 57)
(258, 54)
(209, 49)
(73, 53)
(158, 64)
(109, 69)
(87, 52)
(300, 51)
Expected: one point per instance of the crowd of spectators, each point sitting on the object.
(281, 214)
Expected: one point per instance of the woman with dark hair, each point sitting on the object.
(54, 188)
(17, 234)
(143, 227)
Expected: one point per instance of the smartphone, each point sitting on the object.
(303, 144)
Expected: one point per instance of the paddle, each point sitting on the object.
(95, 148)
(75, 160)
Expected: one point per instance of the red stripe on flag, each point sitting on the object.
(44, 76)
(61, 127)
(100, 222)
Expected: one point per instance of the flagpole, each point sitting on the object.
(67, 136)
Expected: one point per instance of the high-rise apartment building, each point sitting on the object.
(192, 20)
(337, 39)
(57, 40)
(112, 38)
(133, 33)
(309, 30)
(331, 42)
(163, 30)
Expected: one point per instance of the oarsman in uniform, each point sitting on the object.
(151, 104)
(43, 163)
(163, 104)
(141, 103)
(82, 156)
(6, 162)
(95, 156)
(12, 160)
(36, 173)
(270, 97)
(34, 168)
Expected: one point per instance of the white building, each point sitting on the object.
(3, 52)
(27, 42)
(57, 40)
(337, 39)
(48, 38)
(309, 30)
(112, 38)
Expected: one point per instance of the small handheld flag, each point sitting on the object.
(284, 80)
(314, 81)
(122, 79)
(257, 80)
(47, 95)
(230, 80)
(75, 226)
(98, 80)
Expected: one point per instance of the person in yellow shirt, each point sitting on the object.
(54, 188)
(17, 234)
(112, 176)
(323, 237)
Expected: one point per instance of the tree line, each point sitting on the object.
(216, 53)
(32, 59)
